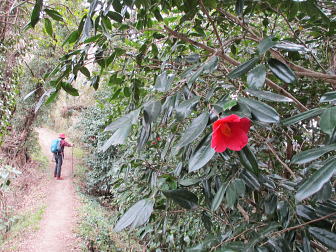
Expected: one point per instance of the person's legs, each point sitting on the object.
(56, 160)
(59, 165)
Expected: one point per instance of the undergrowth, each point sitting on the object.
(22, 223)
(41, 160)
(96, 222)
(12, 225)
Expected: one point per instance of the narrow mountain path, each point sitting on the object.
(56, 232)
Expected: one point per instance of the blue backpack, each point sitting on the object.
(55, 146)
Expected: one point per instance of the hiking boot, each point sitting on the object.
(59, 178)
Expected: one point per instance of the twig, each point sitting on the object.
(236, 237)
(279, 159)
(213, 25)
(304, 224)
(243, 212)
(294, 34)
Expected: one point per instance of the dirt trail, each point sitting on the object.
(60, 218)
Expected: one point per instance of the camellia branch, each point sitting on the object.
(294, 34)
(279, 159)
(234, 62)
(213, 25)
(304, 224)
(301, 71)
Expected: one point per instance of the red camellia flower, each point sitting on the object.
(230, 132)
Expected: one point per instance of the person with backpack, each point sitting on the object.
(57, 147)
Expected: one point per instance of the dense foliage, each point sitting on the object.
(171, 68)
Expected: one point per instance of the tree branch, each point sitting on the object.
(234, 62)
(330, 78)
(279, 159)
(304, 224)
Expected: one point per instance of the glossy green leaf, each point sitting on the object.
(136, 216)
(219, 196)
(261, 234)
(201, 156)
(194, 130)
(72, 38)
(69, 89)
(306, 245)
(48, 27)
(211, 64)
(212, 4)
(161, 83)
(282, 71)
(127, 91)
(243, 68)
(235, 189)
(93, 39)
(256, 77)
(35, 16)
(152, 111)
(250, 180)
(52, 96)
(231, 195)
(106, 23)
(117, 6)
(312, 154)
(315, 182)
(228, 105)
(184, 109)
(29, 94)
(269, 96)
(118, 137)
(115, 16)
(328, 121)
(206, 219)
(144, 135)
(248, 160)
(54, 14)
(261, 111)
(290, 47)
(85, 71)
(328, 97)
(95, 82)
(189, 182)
(195, 76)
(48, 93)
(86, 28)
(302, 116)
(130, 118)
(206, 244)
(270, 203)
(326, 237)
(265, 45)
(240, 187)
(324, 193)
(183, 197)
(193, 58)
(240, 7)
(157, 15)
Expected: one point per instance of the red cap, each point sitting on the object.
(62, 135)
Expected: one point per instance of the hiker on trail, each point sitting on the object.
(59, 155)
